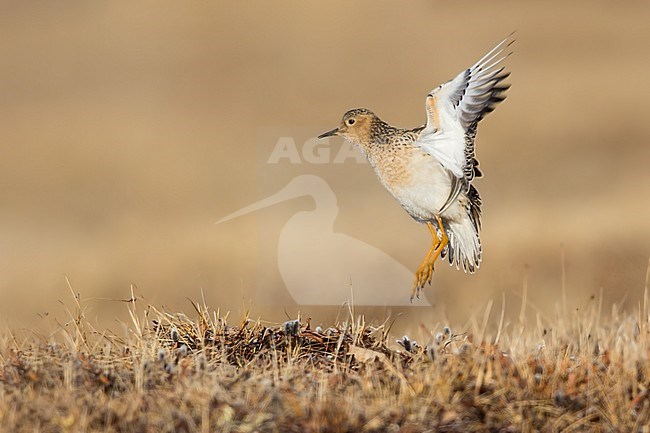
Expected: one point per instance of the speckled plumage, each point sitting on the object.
(429, 169)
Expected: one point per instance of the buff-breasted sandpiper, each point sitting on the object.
(430, 169)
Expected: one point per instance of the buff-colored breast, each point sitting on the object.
(416, 179)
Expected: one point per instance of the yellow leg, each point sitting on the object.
(427, 265)
(444, 241)
(425, 270)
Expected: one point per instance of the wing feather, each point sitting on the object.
(455, 108)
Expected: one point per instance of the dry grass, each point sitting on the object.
(171, 373)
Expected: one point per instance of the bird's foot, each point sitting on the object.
(422, 278)
(429, 274)
(415, 293)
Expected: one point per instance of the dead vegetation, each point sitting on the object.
(173, 373)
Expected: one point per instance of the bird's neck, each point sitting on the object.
(381, 132)
(377, 140)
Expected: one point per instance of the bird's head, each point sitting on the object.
(357, 126)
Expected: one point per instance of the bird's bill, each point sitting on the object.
(331, 133)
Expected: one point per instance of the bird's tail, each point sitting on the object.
(464, 249)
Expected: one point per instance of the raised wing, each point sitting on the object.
(454, 110)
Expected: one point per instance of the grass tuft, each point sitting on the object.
(174, 373)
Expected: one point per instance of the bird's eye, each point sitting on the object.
(351, 121)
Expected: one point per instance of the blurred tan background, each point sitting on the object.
(128, 128)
